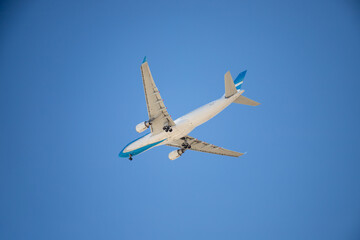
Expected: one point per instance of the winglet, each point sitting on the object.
(144, 61)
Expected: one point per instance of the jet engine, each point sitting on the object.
(142, 126)
(175, 154)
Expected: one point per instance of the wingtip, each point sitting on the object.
(145, 60)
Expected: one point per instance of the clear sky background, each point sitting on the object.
(71, 94)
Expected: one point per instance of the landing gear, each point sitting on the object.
(185, 145)
(167, 129)
(130, 157)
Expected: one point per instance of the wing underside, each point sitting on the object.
(158, 115)
(202, 146)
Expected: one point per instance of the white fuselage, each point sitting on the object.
(185, 124)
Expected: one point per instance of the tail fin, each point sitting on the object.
(230, 88)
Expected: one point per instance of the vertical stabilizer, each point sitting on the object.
(230, 88)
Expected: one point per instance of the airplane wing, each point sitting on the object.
(158, 115)
(202, 146)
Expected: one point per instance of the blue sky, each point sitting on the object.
(71, 94)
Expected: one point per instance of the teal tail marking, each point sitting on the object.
(144, 61)
(239, 80)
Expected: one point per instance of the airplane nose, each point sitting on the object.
(123, 155)
(124, 152)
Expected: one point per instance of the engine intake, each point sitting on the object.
(175, 154)
(142, 126)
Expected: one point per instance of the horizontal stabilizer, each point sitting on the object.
(246, 101)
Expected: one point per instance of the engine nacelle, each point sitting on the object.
(142, 126)
(175, 154)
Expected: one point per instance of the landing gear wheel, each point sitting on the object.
(130, 157)
(186, 145)
(167, 129)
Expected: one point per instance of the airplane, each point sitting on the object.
(165, 131)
